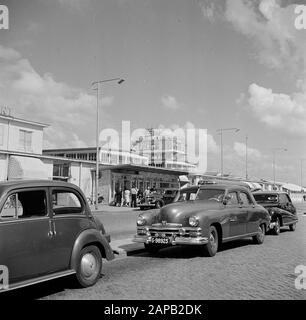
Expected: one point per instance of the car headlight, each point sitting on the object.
(141, 221)
(193, 221)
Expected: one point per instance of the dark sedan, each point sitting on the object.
(205, 216)
(48, 231)
(282, 211)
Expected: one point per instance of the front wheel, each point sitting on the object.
(211, 248)
(292, 227)
(89, 266)
(260, 237)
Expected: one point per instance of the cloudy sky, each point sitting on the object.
(202, 63)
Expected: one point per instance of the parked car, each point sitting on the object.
(169, 195)
(48, 231)
(205, 216)
(153, 200)
(280, 207)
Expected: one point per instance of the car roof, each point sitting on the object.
(8, 185)
(229, 187)
(269, 192)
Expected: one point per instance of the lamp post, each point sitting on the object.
(274, 153)
(302, 174)
(246, 157)
(220, 131)
(97, 88)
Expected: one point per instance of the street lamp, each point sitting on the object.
(302, 174)
(97, 88)
(274, 152)
(220, 131)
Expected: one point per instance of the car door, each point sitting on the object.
(69, 219)
(288, 210)
(252, 220)
(25, 242)
(237, 215)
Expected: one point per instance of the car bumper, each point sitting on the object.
(174, 241)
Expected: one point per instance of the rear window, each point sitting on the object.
(266, 198)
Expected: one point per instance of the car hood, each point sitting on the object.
(179, 212)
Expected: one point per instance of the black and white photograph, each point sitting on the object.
(153, 150)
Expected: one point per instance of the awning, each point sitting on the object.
(184, 179)
(26, 168)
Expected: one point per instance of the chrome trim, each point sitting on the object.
(240, 236)
(176, 241)
(166, 225)
(34, 281)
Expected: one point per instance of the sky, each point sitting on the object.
(186, 63)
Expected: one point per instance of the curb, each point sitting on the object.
(126, 247)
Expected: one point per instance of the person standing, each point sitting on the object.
(134, 197)
(127, 197)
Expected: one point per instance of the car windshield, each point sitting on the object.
(202, 194)
(266, 198)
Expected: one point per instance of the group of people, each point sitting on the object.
(130, 197)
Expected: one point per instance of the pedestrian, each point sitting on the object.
(147, 192)
(127, 197)
(134, 197)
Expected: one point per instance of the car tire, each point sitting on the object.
(260, 237)
(89, 266)
(152, 248)
(211, 248)
(276, 229)
(292, 227)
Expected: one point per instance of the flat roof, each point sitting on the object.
(39, 124)
(132, 167)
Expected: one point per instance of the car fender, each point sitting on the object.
(87, 237)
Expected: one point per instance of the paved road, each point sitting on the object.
(241, 270)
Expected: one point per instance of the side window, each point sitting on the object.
(10, 210)
(30, 204)
(283, 198)
(233, 199)
(245, 200)
(65, 202)
(288, 198)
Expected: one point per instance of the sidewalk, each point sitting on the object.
(107, 208)
(126, 247)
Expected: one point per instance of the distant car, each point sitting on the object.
(153, 201)
(204, 216)
(169, 195)
(47, 231)
(281, 209)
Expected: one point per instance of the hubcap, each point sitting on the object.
(88, 265)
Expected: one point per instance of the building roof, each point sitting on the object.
(39, 124)
(132, 167)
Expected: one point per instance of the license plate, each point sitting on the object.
(159, 240)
